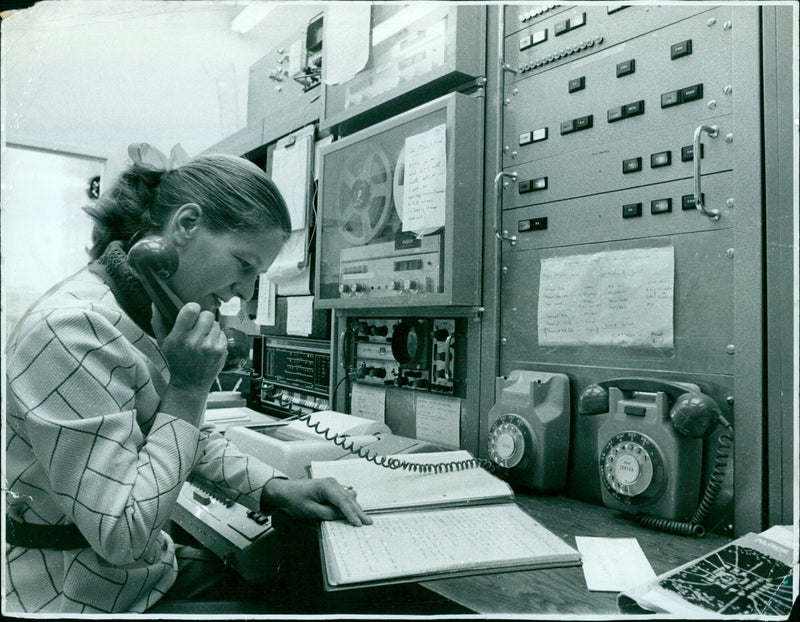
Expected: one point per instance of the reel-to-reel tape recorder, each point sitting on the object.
(400, 210)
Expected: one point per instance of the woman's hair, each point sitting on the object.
(233, 193)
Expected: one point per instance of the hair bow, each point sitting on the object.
(147, 156)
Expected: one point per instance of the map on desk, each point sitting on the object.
(750, 576)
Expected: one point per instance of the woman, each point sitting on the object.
(105, 402)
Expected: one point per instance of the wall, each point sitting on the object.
(91, 77)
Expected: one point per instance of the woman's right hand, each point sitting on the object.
(195, 348)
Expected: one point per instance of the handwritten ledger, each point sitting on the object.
(429, 526)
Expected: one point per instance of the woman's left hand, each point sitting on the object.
(325, 499)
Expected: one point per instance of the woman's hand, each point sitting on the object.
(195, 348)
(325, 499)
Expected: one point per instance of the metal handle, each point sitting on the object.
(514, 176)
(712, 131)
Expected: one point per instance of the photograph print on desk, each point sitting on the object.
(750, 576)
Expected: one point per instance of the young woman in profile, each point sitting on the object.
(105, 400)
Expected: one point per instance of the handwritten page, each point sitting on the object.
(265, 311)
(613, 564)
(368, 402)
(425, 180)
(380, 488)
(610, 298)
(439, 419)
(347, 45)
(421, 543)
(299, 314)
(291, 173)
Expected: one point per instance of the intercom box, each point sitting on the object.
(400, 207)
(417, 51)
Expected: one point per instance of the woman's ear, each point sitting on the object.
(184, 223)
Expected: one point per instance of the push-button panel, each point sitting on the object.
(638, 160)
(558, 35)
(661, 93)
(521, 16)
(614, 215)
(702, 327)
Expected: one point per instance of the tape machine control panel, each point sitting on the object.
(411, 353)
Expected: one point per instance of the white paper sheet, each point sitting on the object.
(610, 298)
(290, 172)
(347, 46)
(299, 312)
(231, 307)
(317, 159)
(425, 180)
(613, 564)
(285, 269)
(439, 419)
(265, 313)
(368, 402)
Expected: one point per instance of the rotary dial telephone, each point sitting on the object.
(650, 450)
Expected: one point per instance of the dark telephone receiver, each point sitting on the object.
(650, 450)
(154, 261)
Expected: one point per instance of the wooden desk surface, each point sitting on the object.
(563, 590)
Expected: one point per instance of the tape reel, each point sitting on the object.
(365, 193)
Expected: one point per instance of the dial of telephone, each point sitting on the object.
(650, 450)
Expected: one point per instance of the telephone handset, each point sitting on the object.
(650, 450)
(154, 261)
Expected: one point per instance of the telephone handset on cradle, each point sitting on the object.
(650, 450)
(154, 261)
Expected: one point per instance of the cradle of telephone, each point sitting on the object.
(328, 435)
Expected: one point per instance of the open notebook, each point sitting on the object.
(428, 526)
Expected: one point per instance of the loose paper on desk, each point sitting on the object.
(368, 402)
(347, 34)
(439, 419)
(609, 298)
(265, 313)
(425, 180)
(299, 313)
(613, 564)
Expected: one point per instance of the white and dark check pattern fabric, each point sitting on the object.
(87, 445)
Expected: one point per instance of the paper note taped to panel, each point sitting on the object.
(610, 298)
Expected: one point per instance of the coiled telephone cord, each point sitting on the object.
(694, 526)
(391, 462)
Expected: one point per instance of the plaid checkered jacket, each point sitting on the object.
(86, 444)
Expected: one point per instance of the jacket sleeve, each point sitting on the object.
(75, 379)
(240, 475)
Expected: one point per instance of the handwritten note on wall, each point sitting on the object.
(610, 298)
(425, 180)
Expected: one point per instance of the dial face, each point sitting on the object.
(509, 438)
(632, 468)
